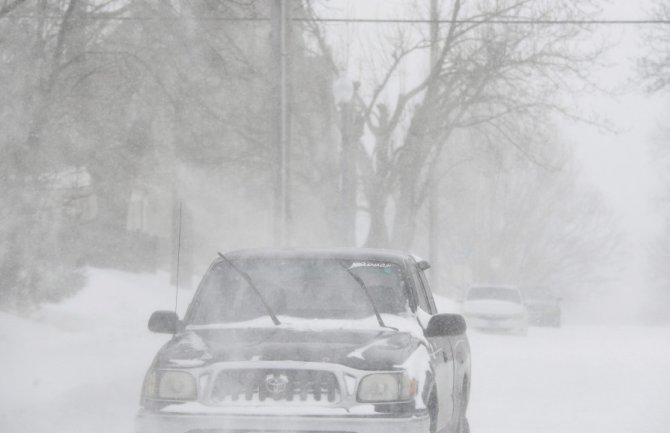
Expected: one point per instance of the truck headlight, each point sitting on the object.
(170, 385)
(385, 387)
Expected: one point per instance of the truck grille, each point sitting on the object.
(280, 385)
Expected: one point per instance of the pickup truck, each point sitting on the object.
(339, 340)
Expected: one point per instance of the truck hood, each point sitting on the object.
(364, 349)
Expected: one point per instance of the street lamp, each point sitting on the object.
(345, 92)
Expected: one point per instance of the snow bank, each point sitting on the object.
(78, 365)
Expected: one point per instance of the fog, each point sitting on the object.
(513, 143)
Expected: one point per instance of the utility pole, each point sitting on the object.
(434, 194)
(349, 140)
(346, 94)
(280, 37)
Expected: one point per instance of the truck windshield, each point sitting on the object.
(304, 288)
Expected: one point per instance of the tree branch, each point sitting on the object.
(9, 7)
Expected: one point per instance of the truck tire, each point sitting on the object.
(464, 425)
(432, 411)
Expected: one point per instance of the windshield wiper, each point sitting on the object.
(363, 287)
(251, 284)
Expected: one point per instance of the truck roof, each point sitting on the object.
(324, 253)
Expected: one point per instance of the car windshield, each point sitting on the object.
(304, 288)
(496, 293)
(539, 295)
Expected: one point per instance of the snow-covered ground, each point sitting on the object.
(78, 366)
(576, 379)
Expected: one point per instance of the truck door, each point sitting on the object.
(441, 354)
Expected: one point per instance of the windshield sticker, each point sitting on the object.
(384, 267)
(371, 264)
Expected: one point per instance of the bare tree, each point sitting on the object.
(654, 65)
(533, 227)
(8, 6)
(39, 257)
(484, 73)
(654, 69)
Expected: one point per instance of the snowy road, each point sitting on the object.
(574, 379)
(78, 366)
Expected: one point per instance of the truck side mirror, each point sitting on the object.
(423, 265)
(164, 322)
(445, 325)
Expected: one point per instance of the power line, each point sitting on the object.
(136, 18)
(496, 21)
(352, 20)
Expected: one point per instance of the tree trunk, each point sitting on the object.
(378, 236)
(413, 169)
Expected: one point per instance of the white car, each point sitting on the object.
(496, 308)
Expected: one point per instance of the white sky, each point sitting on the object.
(623, 165)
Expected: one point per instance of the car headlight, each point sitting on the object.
(170, 385)
(385, 387)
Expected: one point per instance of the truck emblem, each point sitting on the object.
(276, 384)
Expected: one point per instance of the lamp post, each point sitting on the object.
(344, 92)
(281, 22)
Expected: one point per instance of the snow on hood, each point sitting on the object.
(352, 343)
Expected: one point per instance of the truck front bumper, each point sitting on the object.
(156, 422)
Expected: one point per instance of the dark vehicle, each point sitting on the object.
(309, 341)
(544, 308)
